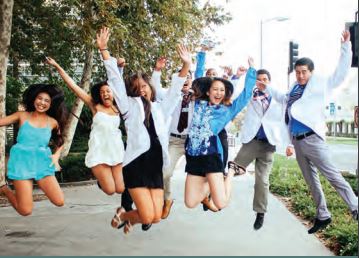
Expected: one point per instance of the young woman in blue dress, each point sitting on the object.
(31, 157)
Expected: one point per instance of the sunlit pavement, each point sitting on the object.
(82, 227)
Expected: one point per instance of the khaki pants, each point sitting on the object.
(176, 151)
(262, 153)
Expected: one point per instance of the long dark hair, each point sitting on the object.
(202, 85)
(57, 109)
(133, 89)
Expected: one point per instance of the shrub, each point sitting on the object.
(74, 169)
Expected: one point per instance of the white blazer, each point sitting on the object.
(163, 93)
(309, 109)
(272, 120)
(138, 140)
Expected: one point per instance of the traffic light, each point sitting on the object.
(293, 55)
(354, 38)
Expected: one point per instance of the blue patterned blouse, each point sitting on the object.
(208, 120)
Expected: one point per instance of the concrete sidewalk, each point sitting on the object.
(82, 227)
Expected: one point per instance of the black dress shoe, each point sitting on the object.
(319, 224)
(258, 223)
(355, 215)
(146, 227)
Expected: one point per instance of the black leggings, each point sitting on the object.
(224, 141)
(126, 200)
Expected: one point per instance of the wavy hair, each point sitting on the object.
(133, 89)
(57, 109)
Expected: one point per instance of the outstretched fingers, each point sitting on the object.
(184, 53)
(102, 37)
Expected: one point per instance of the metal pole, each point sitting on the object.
(261, 44)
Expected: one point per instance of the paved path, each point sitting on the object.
(82, 227)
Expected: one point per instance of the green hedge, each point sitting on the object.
(342, 234)
(74, 169)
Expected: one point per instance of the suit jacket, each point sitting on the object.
(309, 109)
(272, 120)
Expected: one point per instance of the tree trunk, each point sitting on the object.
(5, 35)
(72, 121)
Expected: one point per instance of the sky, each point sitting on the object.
(316, 25)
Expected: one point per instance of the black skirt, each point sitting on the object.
(202, 165)
(146, 170)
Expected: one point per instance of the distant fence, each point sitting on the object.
(342, 129)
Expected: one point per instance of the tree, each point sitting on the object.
(142, 30)
(6, 7)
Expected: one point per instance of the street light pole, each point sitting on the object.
(278, 19)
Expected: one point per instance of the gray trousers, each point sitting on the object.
(312, 152)
(262, 153)
(176, 151)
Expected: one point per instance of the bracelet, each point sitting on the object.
(104, 49)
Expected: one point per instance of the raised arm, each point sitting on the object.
(344, 63)
(174, 92)
(10, 119)
(156, 78)
(79, 92)
(242, 100)
(235, 81)
(201, 63)
(115, 80)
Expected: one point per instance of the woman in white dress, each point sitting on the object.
(106, 150)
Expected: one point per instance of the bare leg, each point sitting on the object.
(103, 174)
(220, 188)
(196, 189)
(23, 193)
(52, 190)
(118, 178)
(9, 195)
(149, 203)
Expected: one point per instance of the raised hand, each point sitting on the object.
(160, 63)
(50, 61)
(241, 71)
(228, 70)
(121, 62)
(102, 38)
(345, 36)
(251, 61)
(184, 54)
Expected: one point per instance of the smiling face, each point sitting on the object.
(216, 92)
(106, 96)
(143, 88)
(187, 84)
(211, 72)
(42, 102)
(302, 74)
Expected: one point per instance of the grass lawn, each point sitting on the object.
(342, 140)
(341, 235)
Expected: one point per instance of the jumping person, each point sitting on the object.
(204, 152)
(147, 142)
(305, 105)
(31, 158)
(106, 150)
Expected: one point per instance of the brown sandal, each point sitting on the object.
(128, 227)
(116, 222)
(238, 170)
(208, 205)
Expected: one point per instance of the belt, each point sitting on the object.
(261, 140)
(302, 136)
(181, 136)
